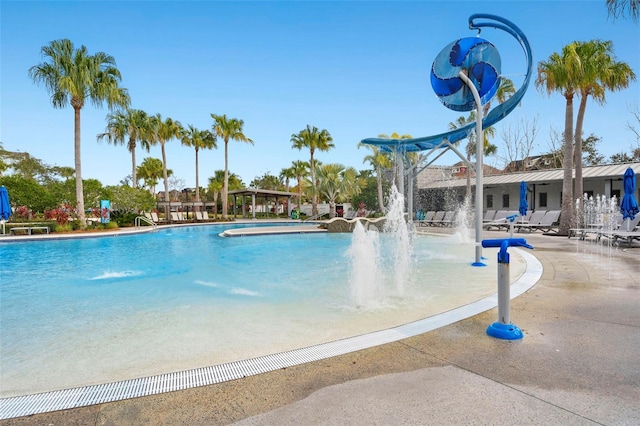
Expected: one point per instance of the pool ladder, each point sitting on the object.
(140, 219)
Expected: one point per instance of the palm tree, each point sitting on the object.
(598, 72)
(198, 139)
(228, 129)
(559, 74)
(506, 89)
(150, 171)
(216, 183)
(620, 8)
(73, 77)
(398, 156)
(301, 170)
(380, 161)
(131, 123)
(161, 132)
(313, 139)
(337, 183)
(287, 174)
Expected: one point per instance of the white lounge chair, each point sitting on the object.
(155, 218)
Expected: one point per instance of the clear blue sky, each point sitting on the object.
(355, 68)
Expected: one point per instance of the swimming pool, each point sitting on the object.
(77, 312)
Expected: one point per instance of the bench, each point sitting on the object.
(29, 229)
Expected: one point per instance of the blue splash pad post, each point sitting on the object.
(503, 328)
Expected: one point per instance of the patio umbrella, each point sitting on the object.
(628, 204)
(5, 208)
(523, 199)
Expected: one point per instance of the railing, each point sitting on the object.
(139, 219)
(316, 217)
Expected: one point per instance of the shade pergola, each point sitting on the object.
(259, 193)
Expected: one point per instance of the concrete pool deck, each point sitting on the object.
(579, 363)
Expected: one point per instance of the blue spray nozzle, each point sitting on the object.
(504, 244)
(512, 218)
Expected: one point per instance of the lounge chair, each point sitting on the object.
(499, 220)
(351, 213)
(426, 218)
(199, 216)
(548, 224)
(205, 215)
(449, 218)
(155, 218)
(626, 229)
(436, 219)
(534, 219)
(488, 216)
(626, 236)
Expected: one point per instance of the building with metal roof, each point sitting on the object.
(501, 191)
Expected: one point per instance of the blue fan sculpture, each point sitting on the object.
(465, 57)
(479, 60)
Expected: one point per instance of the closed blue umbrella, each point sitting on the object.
(5, 208)
(628, 204)
(523, 199)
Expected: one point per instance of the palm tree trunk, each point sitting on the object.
(578, 185)
(380, 194)
(132, 150)
(134, 177)
(468, 173)
(225, 185)
(78, 164)
(167, 209)
(197, 183)
(566, 215)
(314, 196)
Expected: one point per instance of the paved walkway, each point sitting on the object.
(579, 363)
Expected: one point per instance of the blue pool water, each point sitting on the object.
(85, 311)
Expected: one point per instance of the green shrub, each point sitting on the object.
(123, 218)
(62, 228)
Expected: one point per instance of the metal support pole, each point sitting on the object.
(504, 294)
(479, 152)
(410, 194)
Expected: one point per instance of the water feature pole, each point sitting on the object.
(503, 328)
(479, 151)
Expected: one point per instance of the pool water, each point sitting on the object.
(76, 312)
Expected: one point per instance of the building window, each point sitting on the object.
(505, 201)
(616, 193)
(543, 199)
(489, 201)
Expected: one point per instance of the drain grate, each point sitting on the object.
(98, 394)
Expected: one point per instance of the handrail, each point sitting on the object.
(319, 215)
(139, 219)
